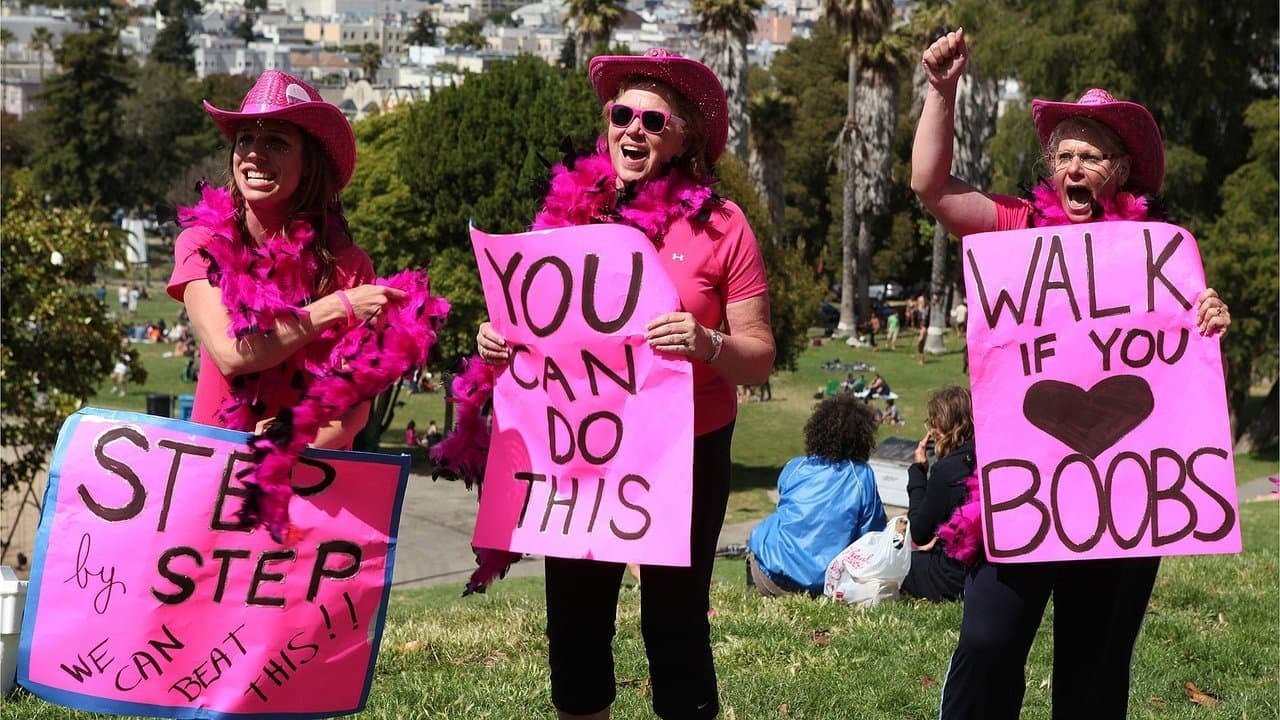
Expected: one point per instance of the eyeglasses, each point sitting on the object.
(653, 121)
(1090, 161)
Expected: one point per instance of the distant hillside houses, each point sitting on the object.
(327, 42)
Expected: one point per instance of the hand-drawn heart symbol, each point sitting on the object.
(1089, 421)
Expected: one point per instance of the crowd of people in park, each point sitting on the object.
(664, 123)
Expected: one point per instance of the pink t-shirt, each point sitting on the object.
(352, 267)
(1012, 213)
(713, 265)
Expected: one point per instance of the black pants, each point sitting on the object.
(1098, 607)
(582, 599)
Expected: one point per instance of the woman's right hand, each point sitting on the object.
(366, 302)
(922, 448)
(492, 346)
(945, 59)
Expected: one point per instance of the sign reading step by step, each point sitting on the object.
(149, 597)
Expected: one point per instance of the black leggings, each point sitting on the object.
(582, 600)
(1098, 607)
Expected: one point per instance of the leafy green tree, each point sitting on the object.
(591, 23)
(1195, 65)
(811, 70)
(81, 153)
(370, 61)
(57, 341)
(17, 145)
(173, 45)
(466, 34)
(725, 26)
(478, 152)
(1240, 252)
(164, 111)
(426, 30)
(428, 170)
(793, 294)
(244, 29)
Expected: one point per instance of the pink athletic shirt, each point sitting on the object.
(352, 267)
(713, 265)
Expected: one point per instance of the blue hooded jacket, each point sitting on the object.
(823, 506)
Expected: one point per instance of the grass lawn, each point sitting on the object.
(1214, 621)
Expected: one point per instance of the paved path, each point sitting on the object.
(438, 516)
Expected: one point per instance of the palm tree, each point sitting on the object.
(370, 61)
(41, 40)
(771, 113)
(861, 149)
(592, 23)
(725, 26)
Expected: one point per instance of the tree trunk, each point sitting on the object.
(767, 168)
(863, 267)
(725, 52)
(381, 414)
(933, 343)
(848, 164)
(1262, 430)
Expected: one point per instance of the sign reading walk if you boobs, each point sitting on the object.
(1100, 411)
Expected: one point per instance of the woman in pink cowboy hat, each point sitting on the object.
(271, 279)
(666, 122)
(1107, 163)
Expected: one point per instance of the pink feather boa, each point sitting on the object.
(1122, 206)
(583, 190)
(464, 452)
(962, 532)
(342, 368)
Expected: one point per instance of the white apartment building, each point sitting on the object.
(215, 55)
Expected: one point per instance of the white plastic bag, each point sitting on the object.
(872, 568)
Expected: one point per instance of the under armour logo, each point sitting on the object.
(678, 257)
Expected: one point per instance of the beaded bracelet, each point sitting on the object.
(346, 303)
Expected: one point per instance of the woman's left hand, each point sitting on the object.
(1212, 316)
(680, 334)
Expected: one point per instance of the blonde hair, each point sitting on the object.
(950, 413)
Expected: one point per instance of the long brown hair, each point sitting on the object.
(315, 199)
(950, 413)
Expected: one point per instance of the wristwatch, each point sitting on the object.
(717, 341)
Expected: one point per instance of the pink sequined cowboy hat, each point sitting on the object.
(281, 96)
(689, 77)
(1131, 121)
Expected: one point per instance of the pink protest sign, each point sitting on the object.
(592, 446)
(148, 599)
(1100, 411)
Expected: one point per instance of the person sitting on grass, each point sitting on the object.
(827, 499)
(890, 415)
(935, 491)
(878, 386)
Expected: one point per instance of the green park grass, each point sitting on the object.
(1213, 621)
